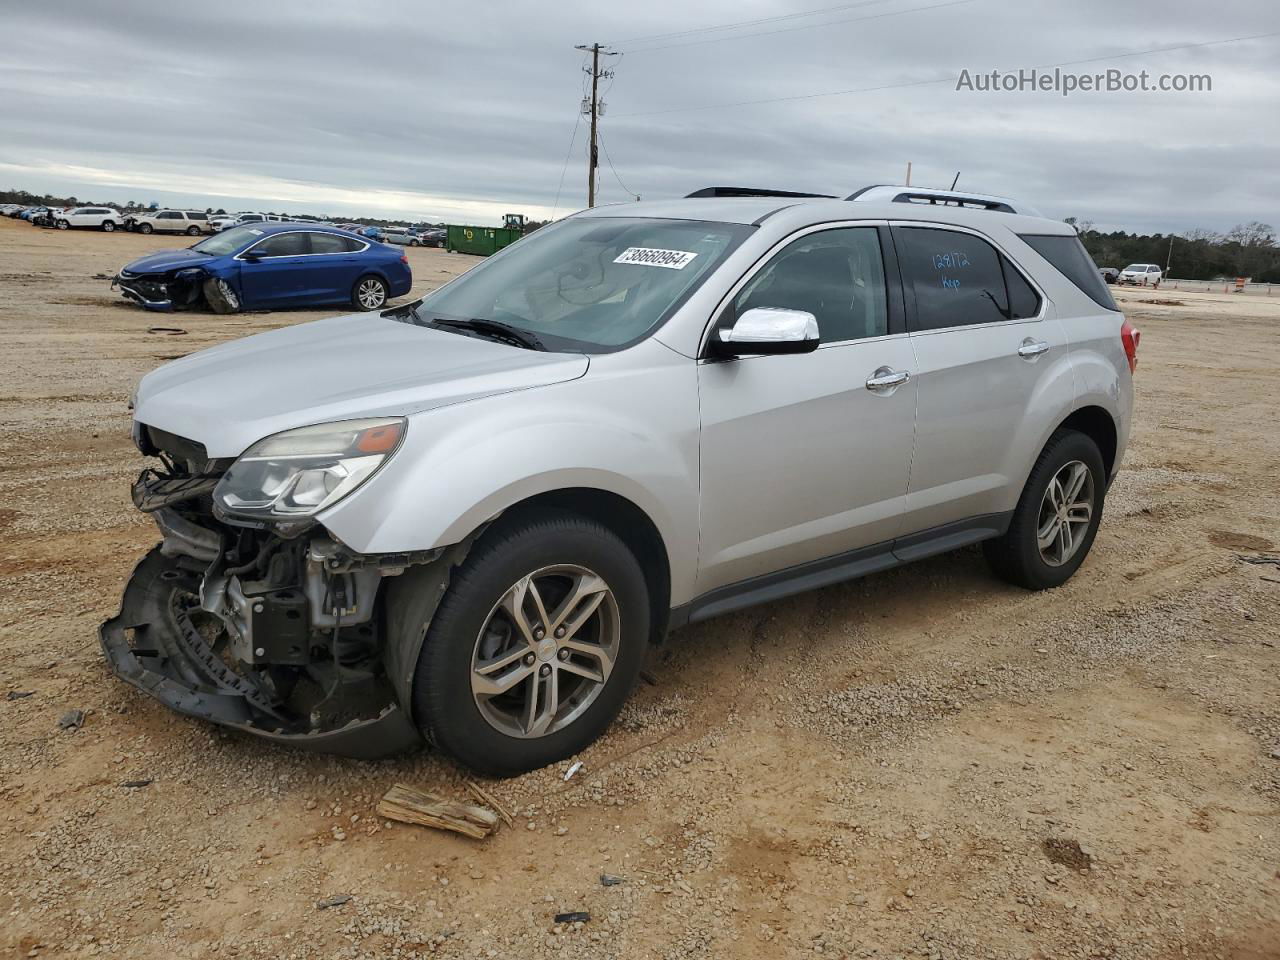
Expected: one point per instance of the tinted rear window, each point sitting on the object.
(1073, 262)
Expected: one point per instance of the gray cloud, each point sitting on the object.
(449, 110)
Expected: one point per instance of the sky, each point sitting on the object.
(461, 112)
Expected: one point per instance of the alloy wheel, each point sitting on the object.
(545, 651)
(1065, 513)
(371, 293)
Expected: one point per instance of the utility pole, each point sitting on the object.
(1169, 259)
(594, 108)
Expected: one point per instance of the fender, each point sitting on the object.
(464, 464)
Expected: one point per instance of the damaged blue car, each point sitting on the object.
(266, 267)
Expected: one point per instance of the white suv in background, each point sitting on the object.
(190, 222)
(104, 218)
(1141, 274)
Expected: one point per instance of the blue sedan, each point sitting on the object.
(267, 266)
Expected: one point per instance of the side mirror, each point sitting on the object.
(768, 330)
(253, 256)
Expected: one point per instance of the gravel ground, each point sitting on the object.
(924, 763)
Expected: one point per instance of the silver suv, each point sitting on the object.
(466, 519)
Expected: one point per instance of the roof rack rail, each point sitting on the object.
(885, 193)
(754, 192)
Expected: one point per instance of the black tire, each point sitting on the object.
(443, 704)
(145, 228)
(221, 296)
(62, 225)
(1016, 556)
(368, 281)
(193, 231)
(108, 226)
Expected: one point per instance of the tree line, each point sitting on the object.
(1246, 250)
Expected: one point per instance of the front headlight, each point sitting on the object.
(300, 472)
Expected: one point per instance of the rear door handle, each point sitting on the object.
(886, 378)
(1030, 349)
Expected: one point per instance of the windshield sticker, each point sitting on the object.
(257, 233)
(653, 257)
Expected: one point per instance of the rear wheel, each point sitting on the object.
(370, 293)
(535, 645)
(1057, 515)
(193, 231)
(108, 226)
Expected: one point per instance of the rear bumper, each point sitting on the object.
(153, 645)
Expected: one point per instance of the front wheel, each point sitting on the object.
(221, 296)
(1057, 516)
(145, 228)
(370, 293)
(108, 226)
(535, 645)
(63, 225)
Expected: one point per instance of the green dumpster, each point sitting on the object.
(482, 241)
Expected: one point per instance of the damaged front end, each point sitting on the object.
(164, 289)
(272, 628)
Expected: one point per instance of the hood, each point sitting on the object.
(361, 365)
(164, 260)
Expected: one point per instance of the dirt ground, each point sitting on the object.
(924, 763)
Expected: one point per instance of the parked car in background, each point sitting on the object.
(265, 266)
(31, 213)
(1141, 275)
(403, 236)
(433, 236)
(373, 233)
(190, 222)
(467, 518)
(1109, 274)
(101, 218)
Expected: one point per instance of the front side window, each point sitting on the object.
(836, 275)
(589, 284)
(168, 216)
(957, 279)
(283, 245)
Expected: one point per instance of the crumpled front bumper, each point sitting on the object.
(151, 294)
(153, 645)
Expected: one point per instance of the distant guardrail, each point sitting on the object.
(1221, 286)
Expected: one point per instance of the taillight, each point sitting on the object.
(404, 258)
(1130, 337)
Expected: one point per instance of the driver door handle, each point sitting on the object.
(886, 378)
(1030, 349)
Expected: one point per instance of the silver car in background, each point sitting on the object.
(466, 519)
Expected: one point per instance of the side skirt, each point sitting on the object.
(841, 567)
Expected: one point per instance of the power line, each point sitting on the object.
(804, 26)
(563, 170)
(747, 23)
(947, 79)
(625, 188)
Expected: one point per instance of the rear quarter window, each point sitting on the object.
(1072, 260)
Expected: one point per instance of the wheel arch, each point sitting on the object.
(1098, 425)
(624, 518)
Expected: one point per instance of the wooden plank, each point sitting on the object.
(410, 805)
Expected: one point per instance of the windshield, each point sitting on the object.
(1136, 268)
(228, 241)
(589, 284)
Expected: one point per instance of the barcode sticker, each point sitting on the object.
(653, 257)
